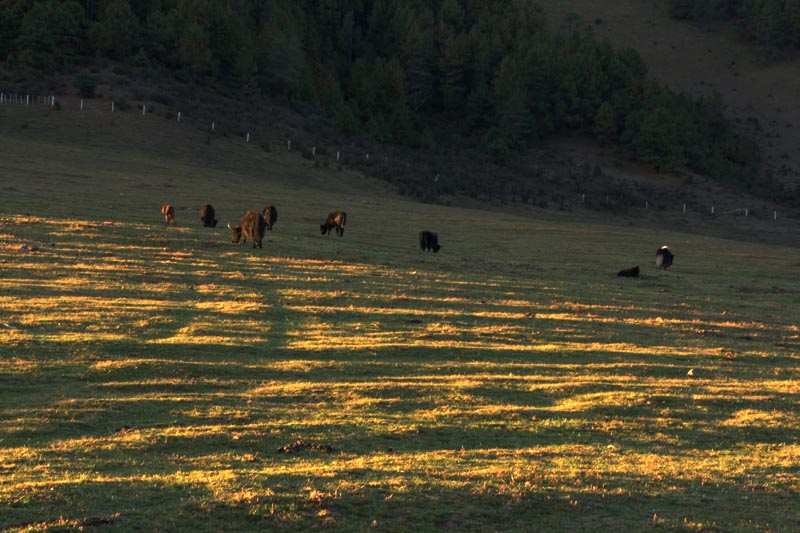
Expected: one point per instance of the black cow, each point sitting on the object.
(207, 216)
(664, 257)
(169, 213)
(251, 225)
(336, 219)
(429, 240)
(632, 272)
(270, 215)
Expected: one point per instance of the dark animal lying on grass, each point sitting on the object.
(251, 225)
(429, 240)
(336, 219)
(270, 215)
(632, 272)
(207, 216)
(664, 257)
(169, 213)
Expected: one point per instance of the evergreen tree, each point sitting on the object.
(116, 32)
(10, 21)
(279, 54)
(654, 137)
(419, 61)
(52, 35)
(193, 51)
(160, 36)
(605, 123)
(453, 55)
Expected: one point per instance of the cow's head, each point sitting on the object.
(236, 234)
(323, 228)
(436, 248)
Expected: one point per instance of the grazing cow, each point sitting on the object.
(336, 219)
(207, 216)
(169, 213)
(664, 257)
(632, 272)
(270, 215)
(429, 240)
(251, 225)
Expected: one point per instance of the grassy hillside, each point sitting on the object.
(159, 377)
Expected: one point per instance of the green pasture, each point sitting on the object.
(157, 377)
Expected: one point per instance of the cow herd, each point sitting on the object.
(252, 225)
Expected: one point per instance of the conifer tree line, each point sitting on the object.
(773, 25)
(394, 70)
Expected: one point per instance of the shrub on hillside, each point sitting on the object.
(86, 83)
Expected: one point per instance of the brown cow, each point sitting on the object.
(169, 213)
(632, 272)
(429, 240)
(336, 219)
(207, 216)
(251, 225)
(270, 215)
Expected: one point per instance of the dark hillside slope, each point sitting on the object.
(690, 57)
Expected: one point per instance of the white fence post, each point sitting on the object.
(248, 136)
(289, 145)
(213, 126)
(144, 109)
(112, 106)
(746, 211)
(774, 215)
(179, 116)
(712, 209)
(646, 205)
(313, 151)
(81, 104)
(27, 99)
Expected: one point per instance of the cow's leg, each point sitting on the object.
(341, 232)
